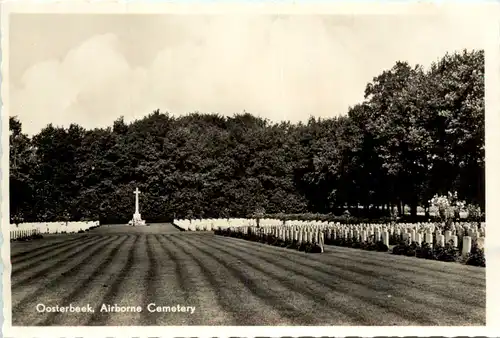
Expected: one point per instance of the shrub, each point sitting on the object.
(394, 239)
(310, 248)
(425, 251)
(381, 247)
(412, 251)
(401, 248)
(405, 249)
(37, 236)
(314, 248)
(446, 253)
(355, 244)
(476, 257)
(366, 246)
(293, 245)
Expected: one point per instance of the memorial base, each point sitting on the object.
(137, 220)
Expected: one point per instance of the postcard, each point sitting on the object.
(249, 169)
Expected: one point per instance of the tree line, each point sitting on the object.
(416, 133)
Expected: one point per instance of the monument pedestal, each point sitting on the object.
(137, 220)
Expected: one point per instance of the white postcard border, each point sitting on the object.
(490, 13)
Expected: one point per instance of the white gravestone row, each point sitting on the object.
(301, 235)
(430, 233)
(54, 227)
(212, 224)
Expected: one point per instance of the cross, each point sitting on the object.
(137, 192)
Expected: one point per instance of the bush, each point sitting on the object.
(37, 236)
(476, 257)
(448, 253)
(309, 248)
(425, 251)
(394, 239)
(293, 245)
(405, 249)
(402, 248)
(381, 247)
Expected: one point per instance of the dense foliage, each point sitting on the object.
(416, 134)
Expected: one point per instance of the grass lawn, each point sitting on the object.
(234, 282)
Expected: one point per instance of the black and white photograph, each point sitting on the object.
(245, 168)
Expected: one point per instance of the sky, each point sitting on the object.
(91, 69)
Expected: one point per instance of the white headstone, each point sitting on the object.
(466, 245)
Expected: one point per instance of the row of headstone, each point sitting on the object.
(55, 227)
(213, 224)
(431, 233)
(20, 234)
(369, 233)
(299, 235)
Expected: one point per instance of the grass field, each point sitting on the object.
(234, 282)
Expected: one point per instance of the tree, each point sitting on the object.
(417, 133)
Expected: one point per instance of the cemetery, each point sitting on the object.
(375, 217)
(227, 271)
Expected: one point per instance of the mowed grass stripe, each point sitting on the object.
(28, 262)
(201, 286)
(168, 287)
(257, 303)
(96, 288)
(404, 302)
(25, 252)
(479, 280)
(290, 307)
(51, 270)
(431, 288)
(346, 296)
(24, 311)
(45, 267)
(380, 285)
(134, 288)
(232, 293)
(451, 270)
(195, 288)
(123, 289)
(73, 291)
(176, 288)
(153, 284)
(308, 299)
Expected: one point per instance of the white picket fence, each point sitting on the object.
(53, 227)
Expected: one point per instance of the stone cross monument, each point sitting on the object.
(137, 192)
(136, 219)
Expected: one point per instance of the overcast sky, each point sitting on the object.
(90, 69)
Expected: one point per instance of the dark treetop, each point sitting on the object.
(417, 133)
